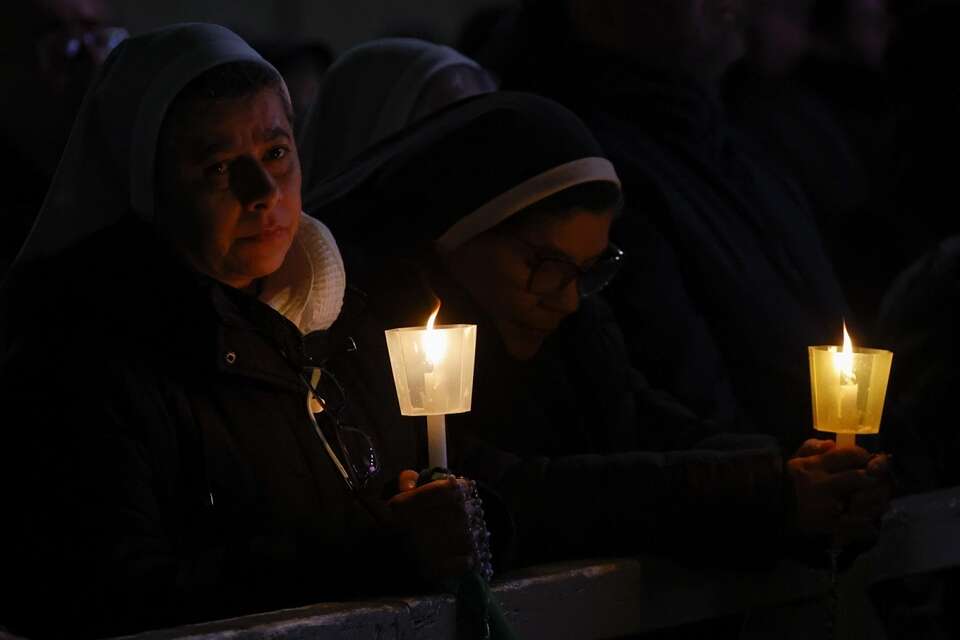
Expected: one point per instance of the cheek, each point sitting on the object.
(207, 223)
(290, 182)
(507, 275)
(507, 289)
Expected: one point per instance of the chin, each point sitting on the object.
(262, 261)
(263, 268)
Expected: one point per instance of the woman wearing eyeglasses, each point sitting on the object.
(500, 209)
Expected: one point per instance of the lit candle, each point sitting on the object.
(847, 413)
(433, 373)
(434, 348)
(848, 387)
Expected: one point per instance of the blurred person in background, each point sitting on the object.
(377, 89)
(728, 281)
(302, 67)
(803, 135)
(52, 49)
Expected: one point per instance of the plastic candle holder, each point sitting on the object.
(433, 373)
(848, 388)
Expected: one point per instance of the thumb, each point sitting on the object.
(813, 447)
(407, 480)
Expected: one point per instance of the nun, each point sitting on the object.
(499, 210)
(175, 446)
(377, 89)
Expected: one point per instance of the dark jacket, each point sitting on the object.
(582, 452)
(730, 283)
(161, 466)
(918, 323)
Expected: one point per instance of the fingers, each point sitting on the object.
(814, 447)
(845, 483)
(435, 522)
(407, 480)
(879, 465)
(438, 494)
(844, 458)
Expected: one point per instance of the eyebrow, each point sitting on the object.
(552, 252)
(220, 145)
(274, 133)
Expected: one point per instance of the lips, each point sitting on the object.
(267, 234)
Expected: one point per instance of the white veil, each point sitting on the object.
(368, 94)
(107, 169)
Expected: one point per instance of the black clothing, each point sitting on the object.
(574, 441)
(26, 187)
(830, 128)
(731, 261)
(583, 454)
(919, 323)
(162, 467)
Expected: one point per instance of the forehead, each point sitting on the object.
(205, 121)
(577, 233)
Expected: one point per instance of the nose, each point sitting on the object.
(565, 301)
(253, 185)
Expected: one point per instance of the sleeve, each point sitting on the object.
(666, 335)
(725, 500)
(918, 322)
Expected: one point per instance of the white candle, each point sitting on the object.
(847, 404)
(437, 441)
(846, 439)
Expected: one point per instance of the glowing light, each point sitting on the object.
(843, 360)
(434, 342)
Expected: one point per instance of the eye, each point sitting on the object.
(216, 170)
(277, 153)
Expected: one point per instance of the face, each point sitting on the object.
(495, 269)
(54, 48)
(229, 186)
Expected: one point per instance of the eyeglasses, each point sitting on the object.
(357, 461)
(550, 274)
(57, 49)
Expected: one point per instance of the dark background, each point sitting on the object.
(338, 23)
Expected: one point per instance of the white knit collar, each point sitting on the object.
(308, 287)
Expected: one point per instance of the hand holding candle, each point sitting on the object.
(848, 388)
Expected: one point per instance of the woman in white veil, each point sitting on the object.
(376, 89)
(179, 452)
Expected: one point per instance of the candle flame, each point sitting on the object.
(434, 342)
(433, 317)
(844, 359)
